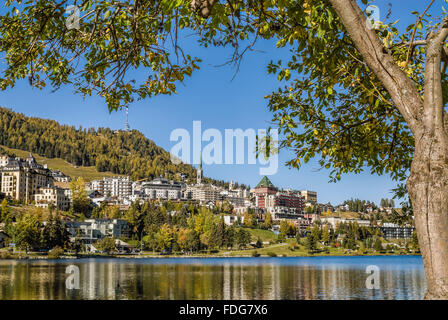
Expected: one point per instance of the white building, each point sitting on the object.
(59, 176)
(92, 230)
(334, 221)
(235, 197)
(22, 178)
(230, 220)
(203, 193)
(52, 195)
(119, 187)
(161, 188)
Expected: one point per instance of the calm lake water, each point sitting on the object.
(401, 277)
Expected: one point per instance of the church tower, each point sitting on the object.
(199, 172)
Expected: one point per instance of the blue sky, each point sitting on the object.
(211, 96)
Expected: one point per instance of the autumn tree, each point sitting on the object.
(360, 94)
(4, 210)
(81, 203)
(284, 228)
(165, 238)
(27, 235)
(106, 244)
(357, 95)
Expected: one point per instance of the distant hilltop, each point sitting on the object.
(118, 151)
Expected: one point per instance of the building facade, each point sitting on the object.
(264, 192)
(21, 179)
(309, 196)
(285, 204)
(58, 197)
(160, 188)
(118, 187)
(203, 193)
(393, 231)
(59, 176)
(92, 230)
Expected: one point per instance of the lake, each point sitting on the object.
(291, 278)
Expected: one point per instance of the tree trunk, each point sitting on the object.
(428, 192)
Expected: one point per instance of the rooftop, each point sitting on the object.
(265, 183)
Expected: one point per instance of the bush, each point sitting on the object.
(259, 243)
(5, 255)
(271, 254)
(293, 246)
(106, 245)
(56, 253)
(255, 254)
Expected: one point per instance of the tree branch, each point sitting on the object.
(433, 104)
(403, 92)
(411, 48)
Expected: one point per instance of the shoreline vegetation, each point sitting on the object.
(282, 250)
(182, 256)
(201, 234)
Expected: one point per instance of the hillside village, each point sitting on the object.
(91, 213)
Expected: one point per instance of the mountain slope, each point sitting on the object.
(112, 151)
(87, 173)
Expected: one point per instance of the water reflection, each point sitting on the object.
(230, 279)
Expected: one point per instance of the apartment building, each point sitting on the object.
(119, 187)
(91, 230)
(159, 188)
(56, 196)
(309, 196)
(21, 179)
(394, 231)
(203, 193)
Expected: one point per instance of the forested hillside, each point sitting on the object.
(120, 152)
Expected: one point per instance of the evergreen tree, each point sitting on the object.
(311, 243)
(414, 241)
(378, 245)
(220, 235)
(325, 235)
(243, 238)
(193, 241)
(230, 237)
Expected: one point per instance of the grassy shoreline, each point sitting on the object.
(35, 256)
